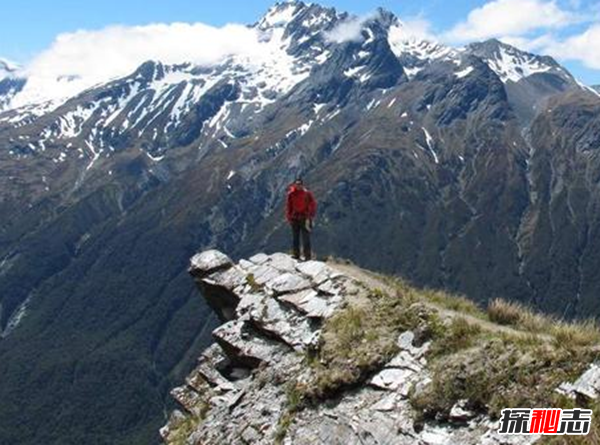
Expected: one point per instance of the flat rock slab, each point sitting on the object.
(207, 370)
(287, 283)
(262, 274)
(189, 399)
(271, 316)
(237, 337)
(283, 262)
(406, 342)
(209, 261)
(259, 258)
(228, 278)
(317, 271)
(312, 303)
(325, 431)
(394, 379)
(588, 385)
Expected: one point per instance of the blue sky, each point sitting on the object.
(567, 29)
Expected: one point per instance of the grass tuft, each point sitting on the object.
(565, 334)
(359, 340)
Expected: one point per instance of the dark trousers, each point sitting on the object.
(299, 231)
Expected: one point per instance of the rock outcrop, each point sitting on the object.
(273, 310)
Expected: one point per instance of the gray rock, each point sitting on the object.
(238, 340)
(275, 318)
(259, 258)
(228, 279)
(207, 371)
(406, 343)
(269, 315)
(312, 303)
(283, 262)
(250, 435)
(588, 385)
(461, 413)
(395, 379)
(189, 399)
(317, 271)
(339, 285)
(209, 261)
(288, 283)
(388, 403)
(246, 265)
(262, 274)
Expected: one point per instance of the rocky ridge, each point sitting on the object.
(273, 310)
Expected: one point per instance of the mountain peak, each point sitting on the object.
(281, 14)
(513, 64)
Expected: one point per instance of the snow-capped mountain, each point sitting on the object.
(512, 64)
(295, 37)
(467, 168)
(155, 104)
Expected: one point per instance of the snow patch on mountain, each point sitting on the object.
(465, 72)
(512, 64)
(16, 318)
(416, 53)
(69, 67)
(402, 45)
(280, 15)
(430, 145)
(262, 76)
(509, 65)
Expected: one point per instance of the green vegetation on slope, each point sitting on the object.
(471, 356)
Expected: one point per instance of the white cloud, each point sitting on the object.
(583, 47)
(351, 30)
(418, 28)
(537, 44)
(79, 60)
(348, 30)
(500, 18)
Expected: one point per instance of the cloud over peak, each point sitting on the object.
(79, 60)
(501, 18)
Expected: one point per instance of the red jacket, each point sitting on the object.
(301, 204)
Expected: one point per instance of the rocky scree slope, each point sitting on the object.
(298, 360)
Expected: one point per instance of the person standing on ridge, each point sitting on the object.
(300, 210)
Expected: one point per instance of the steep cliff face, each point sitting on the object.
(316, 353)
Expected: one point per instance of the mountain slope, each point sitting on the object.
(322, 353)
(452, 172)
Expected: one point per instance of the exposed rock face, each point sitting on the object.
(587, 386)
(275, 307)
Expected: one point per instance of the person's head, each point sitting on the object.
(298, 183)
